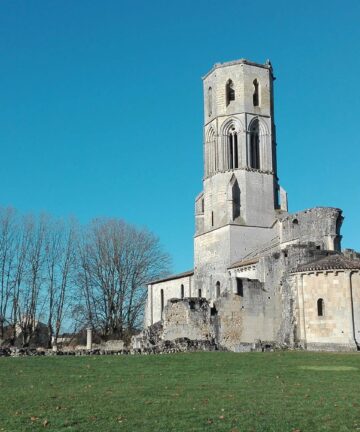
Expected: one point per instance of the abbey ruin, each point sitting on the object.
(261, 276)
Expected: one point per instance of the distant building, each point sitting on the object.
(262, 274)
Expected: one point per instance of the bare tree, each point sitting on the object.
(7, 258)
(22, 241)
(59, 264)
(116, 260)
(29, 290)
(49, 271)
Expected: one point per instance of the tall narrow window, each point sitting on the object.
(162, 302)
(210, 101)
(217, 289)
(337, 240)
(233, 161)
(210, 152)
(182, 291)
(239, 287)
(236, 158)
(235, 192)
(231, 151)
(320, 307)
(202, 205)
(199, 293)
(256, 93)
(230, 92)
(255, 145)
(212, 218)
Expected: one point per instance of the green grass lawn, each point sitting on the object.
(282, 391)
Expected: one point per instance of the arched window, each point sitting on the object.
(182, 293)
(210, 101)
(211, 156)
(233, 157)
(217, 289)
(162, 302)
(255, 145)
(230, 92)
(320, 307)
(235, 192)
(256, 100)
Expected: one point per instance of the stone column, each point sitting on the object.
(248, 138)
(89, 338)
(233, 283)
(352, 321)
(302, 309)
(54, 346)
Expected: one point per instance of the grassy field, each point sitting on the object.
(290, 391)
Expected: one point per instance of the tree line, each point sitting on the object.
(64, 274)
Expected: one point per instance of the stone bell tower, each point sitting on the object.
(236, 210)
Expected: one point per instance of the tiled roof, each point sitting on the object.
(244, 263)
(173, 277)
(331, 262)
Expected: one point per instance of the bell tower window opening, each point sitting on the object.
(256, 101)
(255, 145)
(230, 92)
(320, 307)
(233, 161)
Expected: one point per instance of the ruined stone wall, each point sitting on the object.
(261, 300)
(269, 295)
(320, 225)
(242, 321)
(228, 321)
(188, 318)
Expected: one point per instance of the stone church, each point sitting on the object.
(262, 276)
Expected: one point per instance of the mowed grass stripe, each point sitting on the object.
(281, 391)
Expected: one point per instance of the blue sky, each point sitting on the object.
(101, 105)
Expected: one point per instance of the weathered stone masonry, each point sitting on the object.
(254, 282)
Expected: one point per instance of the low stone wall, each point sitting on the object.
(111, 345)
(148, 338)
(30, 352)
(164, 347)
